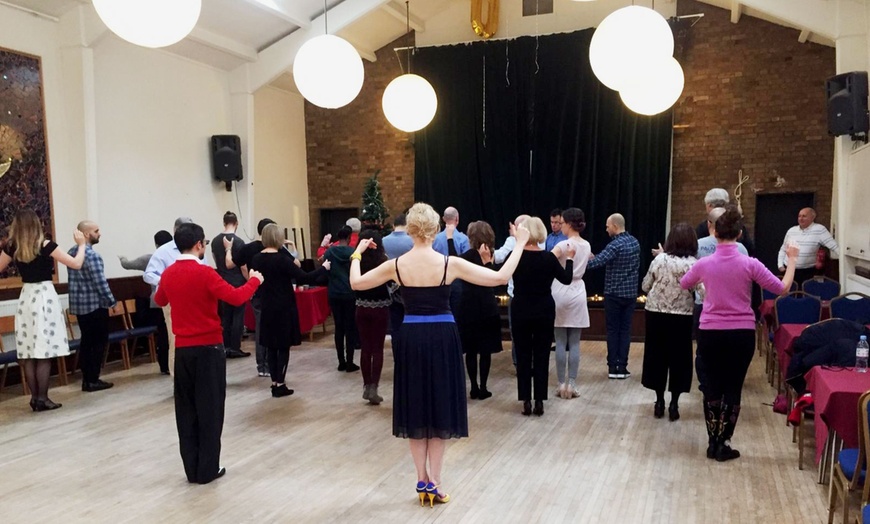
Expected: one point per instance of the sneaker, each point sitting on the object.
(611, 373)
(281, 391)
(262, 373)
(622, 373)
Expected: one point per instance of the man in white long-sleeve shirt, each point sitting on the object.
(808, 236)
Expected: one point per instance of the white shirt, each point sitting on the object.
(808, 241)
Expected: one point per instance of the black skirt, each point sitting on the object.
(667, 354)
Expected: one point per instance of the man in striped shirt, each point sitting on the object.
(808, 236)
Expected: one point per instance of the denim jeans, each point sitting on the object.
(618, 312)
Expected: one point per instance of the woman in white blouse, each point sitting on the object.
(667, 357)
(571, 311)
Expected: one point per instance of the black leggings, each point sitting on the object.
(721, 362)
(279, 358)
(471, 366)
(346, 337)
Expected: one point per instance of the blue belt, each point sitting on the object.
(428, 319)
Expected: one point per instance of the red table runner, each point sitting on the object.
(835, 394)
(783, 342)
(312, 304)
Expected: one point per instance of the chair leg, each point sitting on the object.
(125, 355)
(152, 348)
(800, 443)
(61, 371)
(3, 378)
(832, 499)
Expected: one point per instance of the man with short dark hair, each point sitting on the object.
(232, 317)
(193, 290)
(621, 257)
(90, 300)
(398, 242)
(556, 227)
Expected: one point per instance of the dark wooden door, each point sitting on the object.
(774, 215)
(331, 220)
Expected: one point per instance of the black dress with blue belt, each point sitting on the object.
(429, 381)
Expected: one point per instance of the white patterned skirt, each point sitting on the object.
(40, 331)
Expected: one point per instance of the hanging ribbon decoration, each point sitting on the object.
(738, 191)
(488, 29)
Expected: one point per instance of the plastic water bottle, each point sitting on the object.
(861, 353)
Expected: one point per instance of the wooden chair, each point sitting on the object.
(119, 333)
(136, 333)
(7, 358)
(851, 467)
(75, 343)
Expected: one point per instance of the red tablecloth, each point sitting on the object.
(313, 306)
(835, 394)
(783, 342)
(767, 312)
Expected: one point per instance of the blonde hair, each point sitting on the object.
(272, 236)
(422, 222)
(26, 235)
(537, 231)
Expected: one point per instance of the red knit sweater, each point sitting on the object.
(193, 291)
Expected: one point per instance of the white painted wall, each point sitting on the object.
(453, 25)
(281, 186)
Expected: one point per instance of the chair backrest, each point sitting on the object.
(797, 308)
(864, 442)
(851, 306)
(118, 320)
(7, 327)
(71, 321)
(129, 310)
(767, 295)
(823, 287)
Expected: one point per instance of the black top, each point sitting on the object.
(378, 293)
(476, 302)
(37, 270)
(232, 276)
(426, 300)
(532, 281)
(246, 253)
(744, 239)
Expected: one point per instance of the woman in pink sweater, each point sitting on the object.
(726, 338)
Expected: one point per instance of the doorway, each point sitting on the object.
(774, 215)
(331, 220)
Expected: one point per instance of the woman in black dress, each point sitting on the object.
(279, 320)
(477, 316)
(533, 312)
(429, 402)
(40, 334)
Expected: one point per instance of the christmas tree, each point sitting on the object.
(374, 211)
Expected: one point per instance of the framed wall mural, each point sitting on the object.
(25, 179)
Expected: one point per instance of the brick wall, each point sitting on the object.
(347, 145)
(754, 99)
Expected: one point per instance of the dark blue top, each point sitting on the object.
(428, 300)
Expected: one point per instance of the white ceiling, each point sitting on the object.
(231, 32)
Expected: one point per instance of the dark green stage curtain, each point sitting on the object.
(523, 126)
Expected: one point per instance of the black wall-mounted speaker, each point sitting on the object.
(226, 158)
(847, 104)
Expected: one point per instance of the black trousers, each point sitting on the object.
(233, 323)
(155, 318)
(346, 337)
(667, 355)
(800, 275)
(279, 359)
(200, 392)
(532, 339)
(95, 335)
(721, 362)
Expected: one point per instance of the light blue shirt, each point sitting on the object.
(397, 244)
(706, 247)
(165, 256)
(460, 242)
(553, 239)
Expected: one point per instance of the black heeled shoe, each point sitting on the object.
(47, 405)
(659, 409)
(33, 404)
(474, 393)
(673, 412)
(527, 407)
(539, 408)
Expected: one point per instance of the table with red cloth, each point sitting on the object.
(313, 307)
(783, 342)
(835, 395)
(768, 312)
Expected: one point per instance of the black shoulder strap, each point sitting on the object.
(444, 278)
(397, 272)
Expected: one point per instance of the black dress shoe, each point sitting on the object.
(351, 367)
(673, 412)
(221, 473)
(539, 408)
(527, 407)
(281, 391)
(659, 410)
(237, 353)
(99, 385)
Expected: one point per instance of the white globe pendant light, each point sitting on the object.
(627, 39)
(656, 87)
(409, 102)
(328, 71)
(149, 23)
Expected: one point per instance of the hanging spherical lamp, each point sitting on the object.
(328, 71)
(655, 88)
(409, 102)
(149, 23)
(627, 39)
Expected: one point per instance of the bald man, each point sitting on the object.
(809, 236)
(460, 241)
(621, 257)
(90, 300)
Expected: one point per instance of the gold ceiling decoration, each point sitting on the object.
(484, 29)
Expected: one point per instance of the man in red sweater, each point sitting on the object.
(193, 290)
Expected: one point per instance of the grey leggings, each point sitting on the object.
(567, 352)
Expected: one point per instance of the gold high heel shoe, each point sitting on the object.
(434, 495)
(421, 491)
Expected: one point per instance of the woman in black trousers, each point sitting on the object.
(533, 313)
